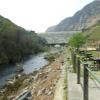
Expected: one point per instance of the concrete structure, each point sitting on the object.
(58, 38)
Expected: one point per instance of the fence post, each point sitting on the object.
(74, 61)
(86, 77)
(78, 71)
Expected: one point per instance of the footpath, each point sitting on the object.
(75, 91)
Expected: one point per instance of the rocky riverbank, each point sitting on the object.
(40, 85)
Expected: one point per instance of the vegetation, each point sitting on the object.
(51, 56)
(92, 42)
(93, 32)
(77, 40)
(16, 42)
(13, 88)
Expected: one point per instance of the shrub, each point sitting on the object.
(51, 56)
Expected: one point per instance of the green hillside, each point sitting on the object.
(16, 42)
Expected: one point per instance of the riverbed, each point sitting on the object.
(32, 63)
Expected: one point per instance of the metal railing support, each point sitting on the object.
(85, 83)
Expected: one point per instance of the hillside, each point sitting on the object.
(16, 42)
(84, 18)
(93, 32)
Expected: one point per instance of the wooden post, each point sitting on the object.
(98, 64)
(78, 71)
(86, 76)
(74, 61)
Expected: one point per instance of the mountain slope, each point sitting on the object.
(93, 32)
(16, 42)
(84, 18)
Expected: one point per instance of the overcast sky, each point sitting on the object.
(38, 15)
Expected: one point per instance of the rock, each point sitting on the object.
(49, 93)
(36, 77)
(2, 90)
(54, 82)
(40, 76)
(51, 88)
(20, 70)
(26, 81)
(25, 95)
(40, 92)
(10, 97)
(44, 91)
(48, 70)
(28, 98)
(11, 81)
(17, 76)
(34, 73)
(44, 81)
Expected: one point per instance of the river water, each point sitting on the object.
(31, 64)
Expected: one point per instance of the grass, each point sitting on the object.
(66, 85)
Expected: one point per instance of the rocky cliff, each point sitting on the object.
(84, 18)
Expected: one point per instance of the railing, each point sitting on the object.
(86, 77)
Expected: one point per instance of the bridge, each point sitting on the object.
(57, 38)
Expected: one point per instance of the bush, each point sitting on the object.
(51, 56)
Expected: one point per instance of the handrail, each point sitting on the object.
(95, 82)
(93, 75)
(86, 74)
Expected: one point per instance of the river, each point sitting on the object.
(29, 65)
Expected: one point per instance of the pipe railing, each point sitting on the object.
(86, 74)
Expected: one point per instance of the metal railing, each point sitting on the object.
(87, 75)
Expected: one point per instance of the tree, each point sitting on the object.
(16, 42)
(77, 40)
